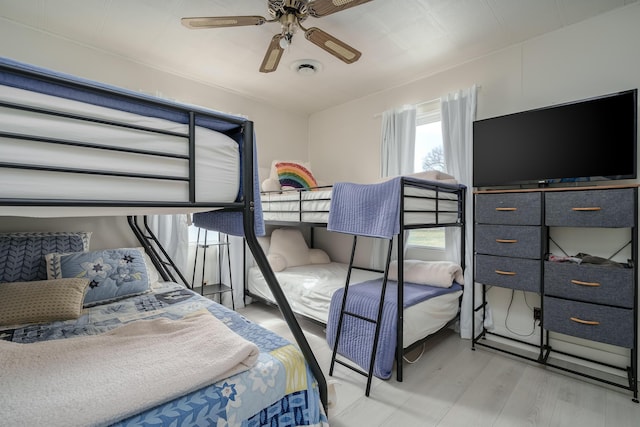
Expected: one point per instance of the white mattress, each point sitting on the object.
(309, 289)
(313, 206)
(216, 169)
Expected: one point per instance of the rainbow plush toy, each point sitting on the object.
(295, 175)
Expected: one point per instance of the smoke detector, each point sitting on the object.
(306, 67)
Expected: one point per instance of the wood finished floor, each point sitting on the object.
(451, 385)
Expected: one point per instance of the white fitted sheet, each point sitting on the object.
(309, 289)
(216, 168)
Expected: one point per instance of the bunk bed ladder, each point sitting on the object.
(159, 256)
(377, 321)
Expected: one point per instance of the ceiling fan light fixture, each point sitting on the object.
(285, 40)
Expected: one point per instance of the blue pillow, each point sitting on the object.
(22, 253)
(113, 273)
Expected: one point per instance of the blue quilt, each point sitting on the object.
(278, 391)
(356, 338)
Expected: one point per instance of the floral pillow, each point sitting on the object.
(113, 273)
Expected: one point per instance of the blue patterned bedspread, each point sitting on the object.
(278, 391)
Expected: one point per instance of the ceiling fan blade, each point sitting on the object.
(273, 55)
(197, 23)
(318, 8)
(337, 48)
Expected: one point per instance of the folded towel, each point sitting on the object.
(434, 175)
(435, 273)
(430, 175)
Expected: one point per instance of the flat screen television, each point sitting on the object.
(588, 140)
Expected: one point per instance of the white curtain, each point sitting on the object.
(397, 153)
(458, 111)
(172, 232)
(237, 253)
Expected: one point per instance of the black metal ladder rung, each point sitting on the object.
(376, 321)
(353, 368)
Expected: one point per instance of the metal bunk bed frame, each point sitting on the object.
(405, 183)
(400, 349)
(242, 132)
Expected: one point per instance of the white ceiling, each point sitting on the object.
(400, 40)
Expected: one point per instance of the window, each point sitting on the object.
(429, 155)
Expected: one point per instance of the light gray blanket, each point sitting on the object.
(99, 379)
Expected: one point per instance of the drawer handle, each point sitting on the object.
(507, 240)
(587, 209)
(506, 209)
(581, 283)
(585, 322)
(506, 273)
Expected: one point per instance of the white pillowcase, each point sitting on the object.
(290, 245)
(270, 184)
(318, 256)
(277, 262)
(441, 274)
(289, 249)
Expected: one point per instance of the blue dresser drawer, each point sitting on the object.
(590, 208)
(509, 240)
(590, 283)
(609, 325)
(509, 208)
(512, 273)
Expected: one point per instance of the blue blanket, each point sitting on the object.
(373, 210)
(356, 339)
(366, 209)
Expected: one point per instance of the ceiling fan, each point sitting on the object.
(290, 14)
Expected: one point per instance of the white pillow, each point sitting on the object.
(277, 262)
(270, 184)
(318, 256)
(289, 244)
(154, 275)
(435, 273)
(265, 243)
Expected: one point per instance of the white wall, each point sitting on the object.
(591, 58)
